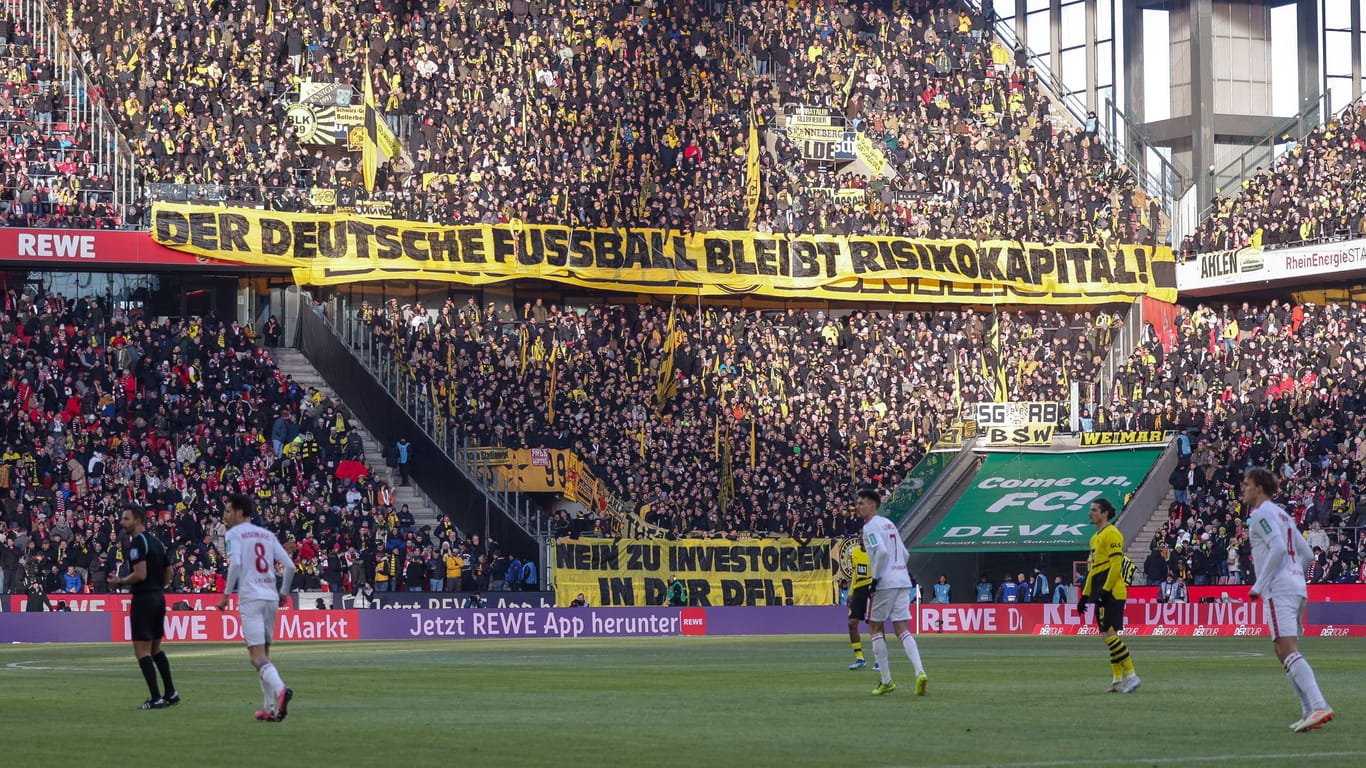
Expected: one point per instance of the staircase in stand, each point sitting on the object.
(293, 364)
(1139, 546)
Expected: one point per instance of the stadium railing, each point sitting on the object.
(394, 376)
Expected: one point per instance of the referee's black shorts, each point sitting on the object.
(147, 617)
(1109, 613)
(858, 602)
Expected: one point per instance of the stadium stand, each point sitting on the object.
(1306, 196)
(1276, 385)
(828, 402)
(971, 149)
(47, 175)
(100, 409)
(964, 131)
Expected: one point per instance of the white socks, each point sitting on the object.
(880, 654)
(1304, 700)
(912, 653)
(265, 693)
(1302, 680)
(270, 680)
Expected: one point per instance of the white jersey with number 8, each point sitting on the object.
(255, 551)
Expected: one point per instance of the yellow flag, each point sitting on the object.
(665, 384)
(993, 362)
(369, 148)
(753, 183)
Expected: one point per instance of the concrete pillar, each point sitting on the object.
(1055, 38)
(1092, 70)
(1135, 103)
(1202, 97)
(1310, 38)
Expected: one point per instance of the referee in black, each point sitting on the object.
(147, 579)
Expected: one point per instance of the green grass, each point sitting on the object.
(1009, 702)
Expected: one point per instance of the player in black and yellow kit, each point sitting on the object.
(860, 587)
(1105, 588)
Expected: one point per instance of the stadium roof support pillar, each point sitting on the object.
(1135, 105)
(1311, 35)
(1021, 23)
(1055, 34)
(1092, 66)
(1201, 19)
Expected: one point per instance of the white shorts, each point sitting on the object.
(258, 620)
(1284, 615)
(891, 604)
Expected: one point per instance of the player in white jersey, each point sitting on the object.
(253, 554)
(890, 591)
(1281, 556)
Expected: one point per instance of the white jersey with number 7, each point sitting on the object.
(255, 552)
(886, 553)
(1279, 553)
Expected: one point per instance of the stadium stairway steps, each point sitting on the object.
(1140, 545)
(293, 364)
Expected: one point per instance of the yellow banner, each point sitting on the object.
(757, 572)
(956, 435)
(332, 249)
(843, 195)
(319, 197)
(1090, 439)
(870, 154)
(541, 470)
(1020, 436)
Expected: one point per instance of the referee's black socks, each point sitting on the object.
(164, 667)
(149, 673)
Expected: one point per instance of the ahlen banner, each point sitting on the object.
(757, 572)
(330, 249)
(1038, 502)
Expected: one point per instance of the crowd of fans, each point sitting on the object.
(828, 402)
(47, 176)
(766, 425)
(606, 113)
(610, 113)
(100, 408)
(1276, 385)
(1307, 195)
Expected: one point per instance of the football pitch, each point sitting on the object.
(1009, 702)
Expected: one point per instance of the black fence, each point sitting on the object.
(433, 471)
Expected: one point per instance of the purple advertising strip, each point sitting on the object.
(1336, 613)
(520, 622)
(399, 624)
(54, 628)
(600, 622)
